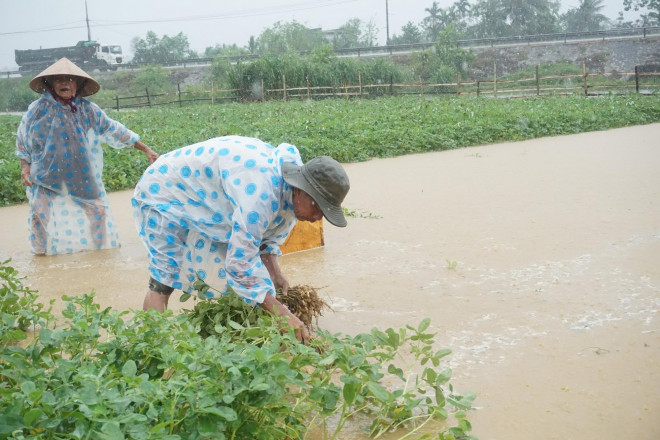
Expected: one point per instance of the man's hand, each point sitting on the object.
(302, 334)
(281, 283)
(272, 305)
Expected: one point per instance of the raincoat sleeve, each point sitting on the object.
(246, 273)
(276, 235)
(256, 206)
(110, 131)
(23, 144)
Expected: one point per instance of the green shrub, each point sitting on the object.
(146, 375)
(16, 94)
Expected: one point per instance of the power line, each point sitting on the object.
(293, 7)
(47, 29)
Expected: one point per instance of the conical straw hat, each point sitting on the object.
(65, 67)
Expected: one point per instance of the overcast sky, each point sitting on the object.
(31, 24)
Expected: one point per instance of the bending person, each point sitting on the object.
(222, 208)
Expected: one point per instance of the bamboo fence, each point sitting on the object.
(587, 84)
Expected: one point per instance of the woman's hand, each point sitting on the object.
(25, 173)
(151, 154)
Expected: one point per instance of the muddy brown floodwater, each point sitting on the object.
(538, 263)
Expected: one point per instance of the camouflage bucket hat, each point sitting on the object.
(324, 179)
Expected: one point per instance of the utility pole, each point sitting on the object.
(387, 23)
(89, 34)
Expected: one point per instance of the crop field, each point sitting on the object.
(350, 130)
(223, 370)
(89, 372)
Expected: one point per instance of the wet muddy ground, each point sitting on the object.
(538, 263)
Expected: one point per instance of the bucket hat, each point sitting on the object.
(87, 85)
(324, 179)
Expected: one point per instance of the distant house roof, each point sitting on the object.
(329, 34)
(332, 34)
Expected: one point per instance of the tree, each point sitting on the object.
(289, 37)
(503, 18)
(652, 18)
(369, 35)
(354, 33)
(586, 17)
(462, 8)
(460, 13)
(156, 51)
(450, 53)
(445, 62)
(410, 34)
(252, 45)
(323, 55)
(153, 78)
(436, 20)
(225, 51)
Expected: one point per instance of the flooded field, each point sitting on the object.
(538, 263)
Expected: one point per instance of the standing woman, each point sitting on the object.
(59, 143)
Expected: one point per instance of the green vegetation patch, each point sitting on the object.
(207, 374)
(350, 130)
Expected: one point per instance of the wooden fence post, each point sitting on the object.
(392, 85)
(178, 89)
(148, 98)
(360, 83)
(538, 89)
(478, 84)
(212, 94)
(284, 85)
(458, 84)
(117, 100)
(637, 78)
(308, 89)
(421, 86)
(584, 76)
(263, 91)
(495, 78)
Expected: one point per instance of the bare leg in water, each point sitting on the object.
(40, 205)
(155, 300)
(95, 212)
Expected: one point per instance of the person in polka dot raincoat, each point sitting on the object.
(219, 210)
(59, 142)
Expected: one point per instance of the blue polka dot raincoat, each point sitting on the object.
(69, 209)
(207, 211)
